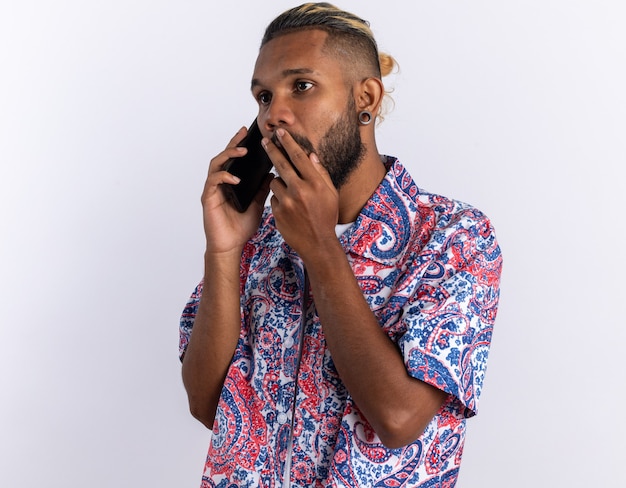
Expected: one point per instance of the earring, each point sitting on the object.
(365, 117)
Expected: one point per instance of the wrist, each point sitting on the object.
(325, 259)
(222, 262)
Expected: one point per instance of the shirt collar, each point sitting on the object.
(386, 223)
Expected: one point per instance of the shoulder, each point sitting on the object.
(402, 216)
(446, 210)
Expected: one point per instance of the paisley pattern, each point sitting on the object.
(429, 267)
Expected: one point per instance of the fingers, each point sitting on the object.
(319, 167)
(216, 176)
(232, 150)
(238, 137)
(296, 164)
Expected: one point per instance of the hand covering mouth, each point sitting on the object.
(280, 147)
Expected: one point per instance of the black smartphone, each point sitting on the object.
(251, 169)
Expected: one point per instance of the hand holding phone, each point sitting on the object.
(251, 169)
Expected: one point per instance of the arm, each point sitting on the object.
(217, 323)
(213, 337)
(305, 206)
(398, 406)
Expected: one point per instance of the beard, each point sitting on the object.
(340, 149)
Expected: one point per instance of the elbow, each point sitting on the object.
(400, 424)
(398, 430)
(398, 438)
(202, 405)
(201, 413)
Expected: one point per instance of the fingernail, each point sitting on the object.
(280, 132)
(264, 142)
(314, 158)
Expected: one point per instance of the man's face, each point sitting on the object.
(302, 89)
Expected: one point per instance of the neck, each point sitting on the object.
(361, 184)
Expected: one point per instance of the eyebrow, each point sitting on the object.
(285, 74)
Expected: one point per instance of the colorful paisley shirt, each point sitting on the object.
(429, 267)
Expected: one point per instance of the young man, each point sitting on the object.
(340, 335)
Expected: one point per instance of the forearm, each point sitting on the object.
(214, 336)
(371, 366)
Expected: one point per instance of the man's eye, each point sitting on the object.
(302, 86)
(264, 98)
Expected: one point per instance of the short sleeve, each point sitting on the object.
(187, 319)
(450, 316)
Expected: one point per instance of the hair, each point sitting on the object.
(348, 35)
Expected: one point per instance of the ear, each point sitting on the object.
(368, 94)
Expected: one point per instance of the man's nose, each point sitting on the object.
(278, 114)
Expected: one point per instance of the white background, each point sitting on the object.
(109, 114)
